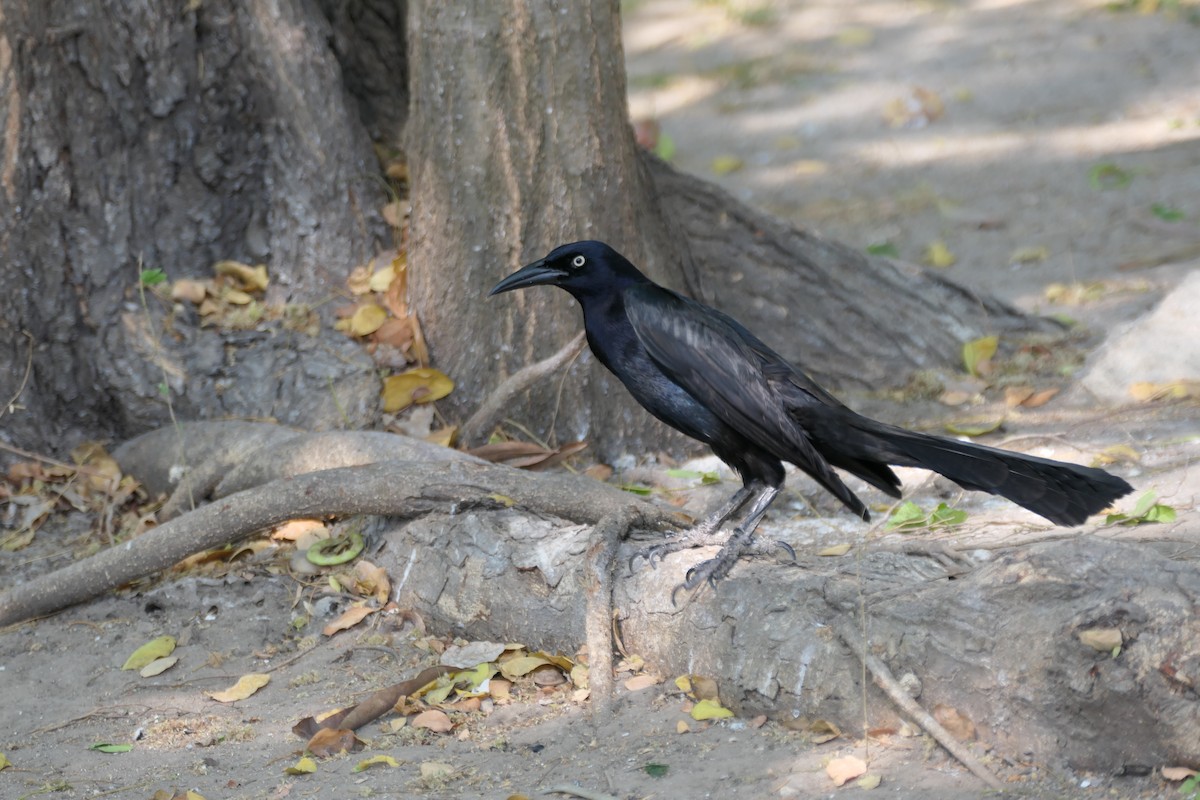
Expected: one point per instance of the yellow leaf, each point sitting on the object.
(237, 297)
(246, 686)
(4, 762)
(723, 165)
(684, 683)
(977, 354)
(868, 782)
(835, 550)
(302, 767)
(846, 768)
(193, 795)
(1028, 255)
(710, 709)
(938, 254)
(1102, 640)
(374, 761)
(975, 427)
(150, 651)
(158, 666)
(367, 319)
(250, 278)
(855, 36)
(1117, 453)
(521, 665)
(381, 279)
(421, 385)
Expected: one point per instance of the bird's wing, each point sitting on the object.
(728, 370)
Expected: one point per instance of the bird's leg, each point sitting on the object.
(700, 534)
(739, 543)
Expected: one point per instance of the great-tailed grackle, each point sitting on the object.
(701, 372)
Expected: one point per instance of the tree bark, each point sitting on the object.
(138, 137)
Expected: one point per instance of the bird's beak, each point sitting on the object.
(535, 274)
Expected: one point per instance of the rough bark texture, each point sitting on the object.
(518, 141)
(134, 135)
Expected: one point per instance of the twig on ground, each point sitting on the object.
(891, 687)
(579, 791)
(492, 408)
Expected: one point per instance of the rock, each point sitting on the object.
(1161, 347)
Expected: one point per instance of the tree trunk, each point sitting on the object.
(138, 137)
(518, 141)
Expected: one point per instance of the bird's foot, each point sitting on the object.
(741, 543)
(700, 536)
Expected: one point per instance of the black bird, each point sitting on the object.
(703, 373)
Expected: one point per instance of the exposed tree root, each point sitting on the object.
(394, 488)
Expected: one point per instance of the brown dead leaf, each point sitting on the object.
(434, 720)
(644, 681)
(359, 281)
(1177, 773)
(333, 741)
(1016, 395)
(846, 768)
(955, 721)
(371, 581)
(682, 727)
(599, 472)
(525, 455)
(348, 619)
(1038, 399)
(394, 212)
(395, 332)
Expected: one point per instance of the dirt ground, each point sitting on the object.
(1030, 144)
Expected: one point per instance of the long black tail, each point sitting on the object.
(1065, 494)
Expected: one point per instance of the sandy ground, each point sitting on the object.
(1028, 143)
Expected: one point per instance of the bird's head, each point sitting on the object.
(581, 268)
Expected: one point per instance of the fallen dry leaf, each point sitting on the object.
(248, 278)
(421, 385)
(1177, 773)
(348, 619)
(333, 741)
(1103, 640)
(639, 682)
(246, 686)
(434, 720)
(955, 721)
(846, 768)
